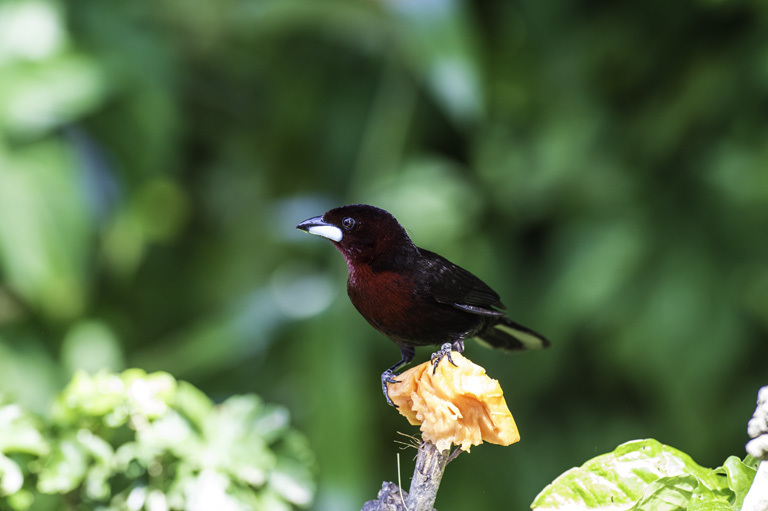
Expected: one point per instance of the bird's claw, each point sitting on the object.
(388, 377)
(445, 350)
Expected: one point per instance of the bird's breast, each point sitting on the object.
(384, 298)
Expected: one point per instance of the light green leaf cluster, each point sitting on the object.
(646, 475)
(134, 441)
(20, 438)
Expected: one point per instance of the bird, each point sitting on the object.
(413, 296)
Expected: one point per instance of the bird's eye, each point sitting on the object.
(348, 223)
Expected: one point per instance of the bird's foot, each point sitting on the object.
(445, 350)
(388, 376)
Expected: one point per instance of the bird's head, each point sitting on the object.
(359, 231)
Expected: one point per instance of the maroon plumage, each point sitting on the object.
(414, 296)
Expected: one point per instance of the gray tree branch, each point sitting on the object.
(430, 466)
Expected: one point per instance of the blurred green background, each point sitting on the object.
(603, 165)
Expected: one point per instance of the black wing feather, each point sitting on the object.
(453, 285)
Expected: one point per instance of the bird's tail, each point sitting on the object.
(507, 335)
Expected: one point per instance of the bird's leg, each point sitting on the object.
(406, 355)
(444, 350)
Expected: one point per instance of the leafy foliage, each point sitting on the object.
(645, 475)
(135, 441)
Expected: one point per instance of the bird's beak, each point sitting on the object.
(318, 227)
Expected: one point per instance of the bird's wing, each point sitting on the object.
(453, 285)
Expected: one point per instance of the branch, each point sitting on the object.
(430, 465)
(390, 498)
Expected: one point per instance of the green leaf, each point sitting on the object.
(667, 494)
(42, 204)
(645, 475)
(739, 476)
(237, 436)
(20, 432)
(65, 468)
(114, 398)
(11, 477)
(709, 505)
(293, 482)
(99, 395)
(21, 500)
(192, 403)
(704, 499)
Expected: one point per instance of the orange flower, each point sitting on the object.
(458, 404)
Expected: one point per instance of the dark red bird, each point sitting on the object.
(414, 296)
